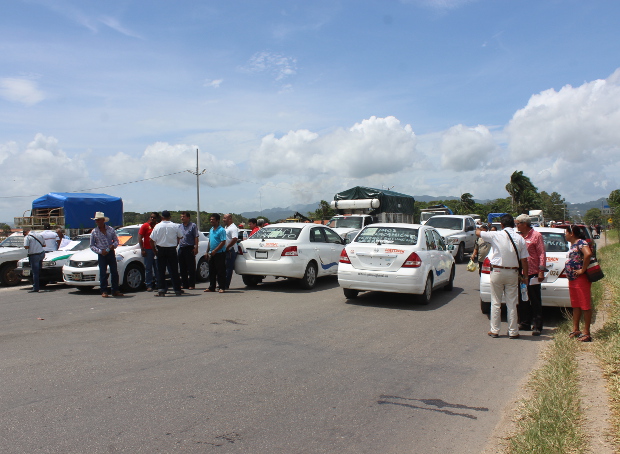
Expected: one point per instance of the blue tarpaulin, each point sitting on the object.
(80, 208)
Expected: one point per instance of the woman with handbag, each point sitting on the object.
(579, 286)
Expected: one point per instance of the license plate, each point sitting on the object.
(26, 272)
(76, 277)
(260, 254)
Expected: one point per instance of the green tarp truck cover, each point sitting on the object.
(391, 202)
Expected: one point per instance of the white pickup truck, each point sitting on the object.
(458, 230)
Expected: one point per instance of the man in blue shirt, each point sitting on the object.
(216, 254)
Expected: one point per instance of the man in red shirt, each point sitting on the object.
(253, 227)
(144, 237)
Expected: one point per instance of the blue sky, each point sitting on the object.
(292, 101)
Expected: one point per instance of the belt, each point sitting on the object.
(505, 267)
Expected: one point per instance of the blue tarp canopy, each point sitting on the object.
(495, 215)
(80, 208)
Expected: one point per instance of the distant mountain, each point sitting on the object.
(582, 208)
(273, 214)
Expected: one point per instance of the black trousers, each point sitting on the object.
(217, 270)
(187, 265)
(530, 312)
(167, 258)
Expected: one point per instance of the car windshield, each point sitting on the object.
(440, 222)
(277, 233)
(388, 235)
(78, 245)
(13, 241)
(554, 242)
(127, 237)
(346, 222)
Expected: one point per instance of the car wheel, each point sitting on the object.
(485, 307)
(425, 297)
(350, 293)
(450, 285)
(460, 254)
(309, 279)
(202, 271)
(8, 276)
(251, 281)
(85, 288)
(134, 278)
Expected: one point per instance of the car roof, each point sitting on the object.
(297, 225)
(399, 225)
(460, 216)
(549, 230)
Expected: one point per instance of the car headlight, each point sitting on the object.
(454, 240)
(49, 263)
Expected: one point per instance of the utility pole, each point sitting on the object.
(197, 173)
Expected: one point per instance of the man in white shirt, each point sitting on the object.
(505, 275)
(164, 239)
(232, 236)
(34, 244)
(52, 241)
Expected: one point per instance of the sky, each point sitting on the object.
(292, 101)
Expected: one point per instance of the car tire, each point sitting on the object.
(134, 278)
(460, 254)
(250, 280)
(309, 280)
(425, 297)
(485, 307)
(202, 271)
(8, 276)
(349, 293)
(450, 285)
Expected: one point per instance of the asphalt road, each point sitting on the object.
(268, 370)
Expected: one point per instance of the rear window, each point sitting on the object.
(445, 223)
(277, 233)
(388, 235)
(554, 242)
(13, 241)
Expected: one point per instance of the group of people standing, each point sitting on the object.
(517, 258)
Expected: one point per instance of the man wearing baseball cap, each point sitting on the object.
(103, 242)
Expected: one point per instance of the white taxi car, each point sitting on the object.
(291, 250)
(83, 268)
(398, 258)
(11, 250)
(554, 287)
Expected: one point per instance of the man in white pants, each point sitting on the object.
(505, 275)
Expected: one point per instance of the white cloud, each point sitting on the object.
(273, 63)
(213, 83)
(376, 146)
(23, 91)
(463, 148)
(114, 24)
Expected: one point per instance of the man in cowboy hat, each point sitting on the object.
(103, 242)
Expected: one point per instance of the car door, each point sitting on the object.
(444, 259)
(470, 234)
(336, 245)
(322, 249)
(431, 252)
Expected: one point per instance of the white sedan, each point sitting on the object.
(398, 258)
(554, 287)
(291, 250)
(83, 268)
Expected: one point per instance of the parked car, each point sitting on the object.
(82, 271)
(457, 230)
(554, 286)
(589, 236)
(397, 258)
(51, 269)
(290, 250)
(11, 250)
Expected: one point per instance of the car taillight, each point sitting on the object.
(344, 257)
(290, 251)
(413, 261)
(486, 266)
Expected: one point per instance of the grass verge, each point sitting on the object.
(607, 340)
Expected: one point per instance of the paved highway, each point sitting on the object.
(268, 370)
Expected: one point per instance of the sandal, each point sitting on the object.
(574, 334)
(585, 338)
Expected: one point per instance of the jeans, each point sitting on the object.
(530, 312)
(105, 261)
(504, 281)
(167, 257)
(150, 271)
(231, 256)
(217, 270)
(187, 265)
(36, 261)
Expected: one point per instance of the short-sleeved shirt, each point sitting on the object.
(502, 252)
(216, 236)
(35, 243)
(575, 259)
(51, 240)
(190, 233)
(100, 241)
(536, 248)
(145, 230)
(232, 231)
(165, 234)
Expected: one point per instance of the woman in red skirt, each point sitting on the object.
(578, 284)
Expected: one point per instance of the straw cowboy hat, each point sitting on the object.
(100, 215)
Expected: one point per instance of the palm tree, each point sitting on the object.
(521, 190)
(467, 203)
